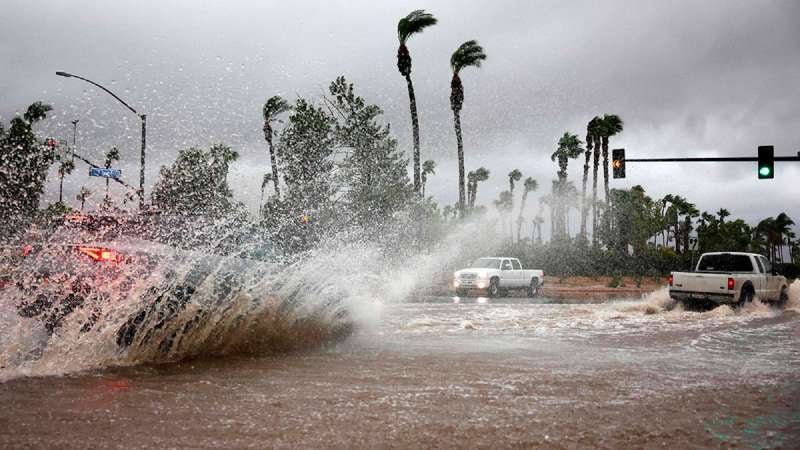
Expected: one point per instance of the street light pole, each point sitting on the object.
(143, 117)
(74, 137)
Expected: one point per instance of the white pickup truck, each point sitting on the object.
(497, 275)
(732, 278)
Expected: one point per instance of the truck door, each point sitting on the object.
(507, 273)
(760, 280)
(518, 274)
(770, 281)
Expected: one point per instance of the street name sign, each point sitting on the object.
(107, 173)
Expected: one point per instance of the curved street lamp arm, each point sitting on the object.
(101, 87)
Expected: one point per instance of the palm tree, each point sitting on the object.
(480, 174)
(65, 168)
(611, 125)
(594, 128)
(83, 195)
(274, 106)
(111, 156)
(588, 154)
(428, 168)
(513, 176)
(569, 147)
(537, 224)
(504, 205)
(723, 213)
(783, 226)
(530, 185)
(469, 54)
(472, 186)
(408, 26)
(264, 182)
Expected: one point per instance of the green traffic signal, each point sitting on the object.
(766, 162)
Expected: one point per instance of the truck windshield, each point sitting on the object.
(486, 263)
(725, 262)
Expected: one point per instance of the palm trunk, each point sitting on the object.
(461, 194)
(594, 196)
(272, 159)
(412, 102)
(107, 200)
(521, 209)
(83, 202)
(584, 206)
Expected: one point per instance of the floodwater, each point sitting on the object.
(443, 372)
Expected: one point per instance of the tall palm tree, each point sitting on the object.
(504, 205)
(594, 128)
(569, 147)
(530, 185)
(480, 174)
(513, 176)
(723, 213)
(611, 125)
(428, 168)
(64, 169)
(83, 195)
(408, 26)
(111, 156)
(469, 54)
(591, 131)
(472, 185)
(783, 226)
(274, 106)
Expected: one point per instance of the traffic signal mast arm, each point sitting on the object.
(766, 161)
(722, 159)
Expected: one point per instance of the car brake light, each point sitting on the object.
(731, 284)
(100, 254)
(669, 278)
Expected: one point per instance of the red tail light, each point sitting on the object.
(669, 279)
(731, 284)
(100, 254)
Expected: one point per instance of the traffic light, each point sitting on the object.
(766, 162)
(618, 162)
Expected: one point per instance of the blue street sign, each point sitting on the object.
(107, 173)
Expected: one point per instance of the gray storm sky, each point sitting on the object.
(689, 78)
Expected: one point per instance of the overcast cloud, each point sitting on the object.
(688, 78)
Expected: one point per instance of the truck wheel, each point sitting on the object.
(745, 297)
(494, 289)
(533, 288)
(784, 298)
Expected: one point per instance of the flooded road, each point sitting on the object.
(455, 373)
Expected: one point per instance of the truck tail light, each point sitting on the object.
(731, 284)
(669, 279)
(100, 254)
